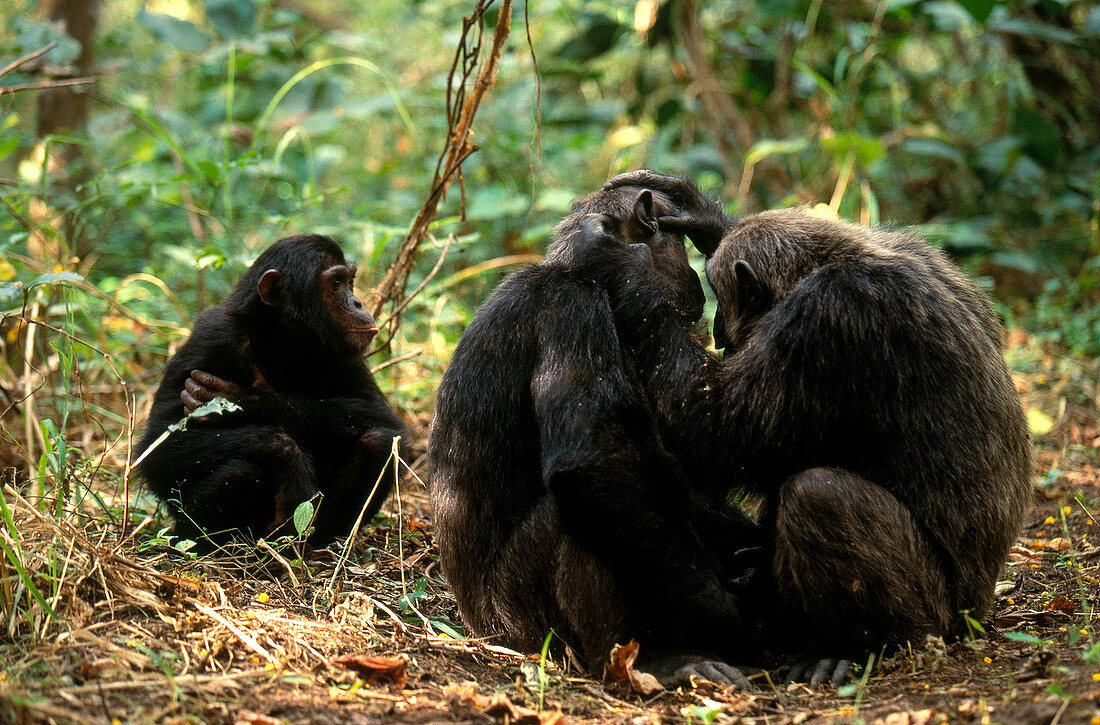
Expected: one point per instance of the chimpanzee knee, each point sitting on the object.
(850, 559)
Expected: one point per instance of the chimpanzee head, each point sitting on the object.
(760, 260)
(634, 213)
(304, 284)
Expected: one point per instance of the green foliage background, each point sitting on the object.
(976, 121)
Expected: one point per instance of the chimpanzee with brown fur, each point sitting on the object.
(287, 347)
(556, 506)
(863, 393)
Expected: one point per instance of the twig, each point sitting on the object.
(405, 302)
(42, 85)
(458, 148)
(27, 58)
(394, 360)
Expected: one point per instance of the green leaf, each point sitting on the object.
(447, 629)
(217, 406)
(180, 33)
(231, 18)
(1023, 637)
(978, 9)
(767, 147)
(303, 517)
(211, 170)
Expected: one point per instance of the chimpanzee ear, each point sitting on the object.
(752, 294)
(270, 288)
(645, 220)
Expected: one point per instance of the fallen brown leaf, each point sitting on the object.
(1061, 604)
(375, 669)
(1020, 554)
(502, 709)
(621, 668)
(247, 717)
(1058, 544)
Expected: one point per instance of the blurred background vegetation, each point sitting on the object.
(212, 127)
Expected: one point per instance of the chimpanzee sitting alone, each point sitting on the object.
(862, 392)
(556, 506)
(287, 347)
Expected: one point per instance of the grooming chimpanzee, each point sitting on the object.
(556, 506)
(287, 347)
(863, 393)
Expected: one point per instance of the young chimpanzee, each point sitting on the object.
(287, 347)
(863, 393)
(556, 506)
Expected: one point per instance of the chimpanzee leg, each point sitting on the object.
(852, 566)
(351, 480)
(247, 478)
(544, 581)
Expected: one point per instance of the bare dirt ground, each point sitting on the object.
(277, 634)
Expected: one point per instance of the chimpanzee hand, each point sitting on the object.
(202, 387)
(699, 217)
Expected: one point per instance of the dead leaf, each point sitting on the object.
(621, 668)
(622, 660)
(502, 709)
(1012, 620)
(919, 717)
(247, 717)
(1058, 544)
(1061, 604)
(372, 669)
(1022, 555)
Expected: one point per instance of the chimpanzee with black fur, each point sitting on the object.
(863, 393)
(556, 506)
(287, 347)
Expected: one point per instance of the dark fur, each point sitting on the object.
(313, 418)
(864, 394)
(555, 505)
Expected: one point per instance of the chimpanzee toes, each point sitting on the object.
(819, 671)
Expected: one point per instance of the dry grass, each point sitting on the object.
(258, 634)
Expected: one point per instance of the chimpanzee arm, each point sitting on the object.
(328, 419)
(619, 494)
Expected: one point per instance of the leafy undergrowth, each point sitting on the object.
(267, 634)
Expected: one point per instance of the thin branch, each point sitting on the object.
(41, 85)
(27, 58)
(458, 148)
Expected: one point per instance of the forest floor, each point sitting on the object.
(281, 635)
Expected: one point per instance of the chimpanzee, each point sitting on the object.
(556, 506)
(287, 347)
(863, 393)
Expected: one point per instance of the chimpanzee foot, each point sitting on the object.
(678, 670)
(820, 670)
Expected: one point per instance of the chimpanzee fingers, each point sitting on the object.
(211, 381)
(190, 403)
(199, 391)
(840, 672)
(799, 670)
(733, 675)
(639, 177)
(676, 188)
(826, 669)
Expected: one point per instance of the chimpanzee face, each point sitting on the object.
(353, 323)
